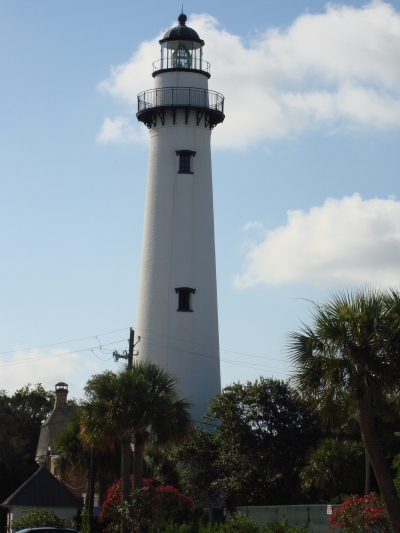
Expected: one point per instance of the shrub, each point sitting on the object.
(283, 527)
(40, 518)
(237, 523)
(361, 514)
(149, 508)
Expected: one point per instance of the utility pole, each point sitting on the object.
(130, 353)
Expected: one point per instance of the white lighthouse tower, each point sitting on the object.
(177, 314)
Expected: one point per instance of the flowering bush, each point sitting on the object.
(146, 507)
(361, 514)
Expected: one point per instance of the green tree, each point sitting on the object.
(99, 462)
(161, 466)
(334, 468)
(21, 415)
(201, 474)
(135, 406)
(350, 355)
(258, 448)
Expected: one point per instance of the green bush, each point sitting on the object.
(40, 518)
(283, 527)
(237, 523)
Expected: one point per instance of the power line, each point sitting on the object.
(158, 334)
(238, 363)
(245, 364)
(29, 360)
(63, 342)
(207, 346)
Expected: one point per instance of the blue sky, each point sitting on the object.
(305, 168)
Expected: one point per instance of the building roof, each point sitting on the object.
(182, 32)
(42, 490)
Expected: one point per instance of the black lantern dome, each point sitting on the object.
(181, 49)
(182, 32)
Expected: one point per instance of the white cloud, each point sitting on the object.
(253, 226)
(34, 366)
(338, 68)
(119, 129)
(347, 241)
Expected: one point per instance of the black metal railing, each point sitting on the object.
(181, 97)
(172, 63)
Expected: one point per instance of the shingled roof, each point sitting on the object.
(42, 490)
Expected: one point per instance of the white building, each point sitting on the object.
(177, 313)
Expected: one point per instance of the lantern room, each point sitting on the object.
(181, 49)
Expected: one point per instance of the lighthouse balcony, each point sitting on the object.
(153, 104)
(193, 64)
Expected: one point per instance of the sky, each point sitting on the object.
(305, 173)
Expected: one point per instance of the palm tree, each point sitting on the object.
(136, 406)
(351, 356)
(333, 468)
(95, 459)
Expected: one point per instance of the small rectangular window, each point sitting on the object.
(184, 298)
(185, 161)
(184, 164)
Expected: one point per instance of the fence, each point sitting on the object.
(314, 517)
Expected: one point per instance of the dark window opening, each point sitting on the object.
(184, 298)
(185, 161)
(184, 164)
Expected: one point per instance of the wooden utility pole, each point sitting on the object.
(128, 354)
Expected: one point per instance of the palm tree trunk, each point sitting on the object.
(92, 480)
(383, 475)
(126, 474)
(138, 461)
(367, 473)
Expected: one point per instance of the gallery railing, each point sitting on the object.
(181, 97)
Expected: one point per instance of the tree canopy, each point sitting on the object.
(257, 449)
(21, 415)
(350, 357)
(136, 406)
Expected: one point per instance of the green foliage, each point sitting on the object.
(350, 351)
(236, 523)
(333, 468)
(396, 467)
(84, 521)
(146, 509)
(71, 450)
(21, 415)
(284, 527)
(361, 514)
(348, 363)
(255, 455)
(140, 405)
(161, 466)
(40, 518)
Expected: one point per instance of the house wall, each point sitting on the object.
(15, 512)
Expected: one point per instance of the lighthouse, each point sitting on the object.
(177, 316)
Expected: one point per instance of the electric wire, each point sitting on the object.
(238, 363)
(207, 345)
(152, 342)
(63, 342)
(29, 360)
